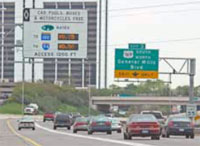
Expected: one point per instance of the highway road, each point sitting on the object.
(44, 135)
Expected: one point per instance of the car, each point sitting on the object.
(48, 116)
(99, 124)
(74, 116)
(80, 124)
(178, 125)
(26, 123)
(29, 111)
(158, 114)
(139, 125)
(116, 125)
(62, 120)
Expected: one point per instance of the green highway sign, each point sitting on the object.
(136, 59)
(136, 46)
(136, 63)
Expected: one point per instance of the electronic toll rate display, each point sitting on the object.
(65, 46)
(71, 37)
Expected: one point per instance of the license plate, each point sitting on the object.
(181, 130)
(145, 131)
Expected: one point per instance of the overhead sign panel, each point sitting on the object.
(136, 46)
(136, 63)
(54, 33)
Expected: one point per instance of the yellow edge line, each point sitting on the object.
(21, 136)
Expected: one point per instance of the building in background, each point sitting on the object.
(7, 28)
(72, 71)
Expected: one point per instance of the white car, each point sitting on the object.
(158, 114)
(27, 123)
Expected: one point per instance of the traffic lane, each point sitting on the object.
(172, 141)
(46, 138)
(7, 138)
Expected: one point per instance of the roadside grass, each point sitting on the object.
(15, 108)
(11, 108)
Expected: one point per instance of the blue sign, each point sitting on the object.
(46, 37)
(45, 46)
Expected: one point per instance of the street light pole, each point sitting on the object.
(2, 41)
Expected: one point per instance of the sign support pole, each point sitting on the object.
(23, 65)
(33, 60)
(69, 71)
(56, 70)
(106, 43)
(83, 73)
(99, 80)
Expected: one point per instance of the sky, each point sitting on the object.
(167, 25)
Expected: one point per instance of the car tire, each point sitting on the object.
(74, 131)
(192, 136)
(90, 132)
(163, 135)
(157, 137)
(109, 132)
(33, 129)
(19, 129)
(68, 128)
(54, 127)
(129, 137)
(125, 136)
(168, 135)
(44, 120)
(187, 136)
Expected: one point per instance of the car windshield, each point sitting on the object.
(81, 119)
(180, 119)
(143, 118)
(115, 121)
(156, 114)
(100, 118)
(62, 117)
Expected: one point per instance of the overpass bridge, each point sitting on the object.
(107, 101)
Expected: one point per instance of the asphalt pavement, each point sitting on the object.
(44, 135)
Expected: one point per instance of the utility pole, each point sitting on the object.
(23, 64)
(33, 61)
(106, 42)
(192, 73)
(2, 41)
(100, 4)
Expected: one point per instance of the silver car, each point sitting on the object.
(26, 123)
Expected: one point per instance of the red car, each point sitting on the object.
(49, 116)
(81, 124)
(142, 126)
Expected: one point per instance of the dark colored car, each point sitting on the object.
(81, 124)
(49, 116)
(99, 124)
(62, 120)
(139, 125)
(178, 126)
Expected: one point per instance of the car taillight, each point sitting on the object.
(156, 125)
(93, 124)
(107, 123)
(170, 124)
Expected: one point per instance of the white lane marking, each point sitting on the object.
(92, 138)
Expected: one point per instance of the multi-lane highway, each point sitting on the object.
(44, 135)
